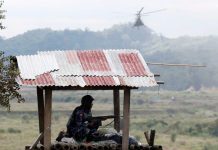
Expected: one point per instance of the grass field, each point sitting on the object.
(183, 120)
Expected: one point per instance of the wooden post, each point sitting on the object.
(41, 106)
(116, 97)
(47, 119)
(36, 141)
(152, 136)
(126, 109)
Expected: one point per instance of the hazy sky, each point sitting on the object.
(182, 17)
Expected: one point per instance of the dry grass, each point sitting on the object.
(20, 127)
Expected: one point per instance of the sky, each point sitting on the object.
(181, 17)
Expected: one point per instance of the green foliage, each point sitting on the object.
(8, 73)
(138, 138)
(173, 137)
(213, 129)
(26, 118)
(200, 129)
(210, 147)
(68, 99)
(56, 117)
(13, 130)
(2, 131)
(9, 87)
(152, 123)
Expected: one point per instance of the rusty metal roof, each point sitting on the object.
(85, 68)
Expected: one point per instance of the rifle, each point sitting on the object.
(102, 118)
(97, 120)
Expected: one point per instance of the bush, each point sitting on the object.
(154, 122)
(193, 131)
(105, 100)
(137, 137)
(140, 102)
(210, 147)
(214, 128)
(56, 117)
(68, 99)
(12, 130)
(2, 131)
(173, 137)
(26, 118)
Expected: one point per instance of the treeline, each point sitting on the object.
(187, 50)
(117, 37)
(154, 48)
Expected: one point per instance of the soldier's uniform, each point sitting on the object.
(79, 124)
(83, 128)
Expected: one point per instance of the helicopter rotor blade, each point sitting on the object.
(140, 10)
(153, 11)
(178, 65)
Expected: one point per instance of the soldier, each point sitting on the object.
(83, 128)
(80, 126)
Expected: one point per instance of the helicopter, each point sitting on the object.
(139, 14)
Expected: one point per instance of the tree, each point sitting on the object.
(8, 85)
(8, 73)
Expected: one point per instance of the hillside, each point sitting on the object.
(154, 48)
(123, 36)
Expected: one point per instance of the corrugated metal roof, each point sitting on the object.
(32, 65)
(85, 68)
(49, 80)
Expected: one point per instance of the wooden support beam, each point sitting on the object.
(147, 137)
(152, 136)
(126, 110)
(41, 107)
(36, 141)
(27, 147)
(150, 139)
(87, 87)
(160, 82)
(47, 119)
(116, 98)
(156, 75)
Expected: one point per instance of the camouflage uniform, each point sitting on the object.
(81, 127)
(79, 124)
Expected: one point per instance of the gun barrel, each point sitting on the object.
(103, 117)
